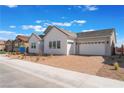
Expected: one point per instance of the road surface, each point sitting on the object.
(10, 77)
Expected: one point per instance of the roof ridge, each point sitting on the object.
(98, 30)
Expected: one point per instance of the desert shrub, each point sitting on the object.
(21, 56)
(43, 59)
(37, 59)
(116, 65)
(2, 52)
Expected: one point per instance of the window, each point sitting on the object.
(107, 42)
(103, 42)
(54, 44)
(99, 42)
(58, 44)
(50, 44)
(33, 45)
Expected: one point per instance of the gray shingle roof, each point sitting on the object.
(104, 32)
(62, 30)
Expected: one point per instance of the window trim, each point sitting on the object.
(50, 44)
(54, 44)
(33, 45)
(58, 44)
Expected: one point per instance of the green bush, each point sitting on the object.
(2, 52)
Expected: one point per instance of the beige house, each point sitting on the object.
(63, 42)
(20, 41)
(2, 45)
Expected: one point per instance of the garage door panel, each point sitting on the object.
(92, 49)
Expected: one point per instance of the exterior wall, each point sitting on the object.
(55, 35)
(110, 47)
(112, 43)
(9, 46)
(2, 47)
(39, 45)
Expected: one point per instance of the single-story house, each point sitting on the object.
(63, 42)
(2, 45)
(20, 41)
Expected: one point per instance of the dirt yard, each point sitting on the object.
(96, 65)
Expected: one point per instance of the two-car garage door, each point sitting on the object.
(97, 48)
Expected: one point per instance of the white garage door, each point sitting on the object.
(92, 49)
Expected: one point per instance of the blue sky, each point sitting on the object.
(24, 20)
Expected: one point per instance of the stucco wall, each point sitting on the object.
(55, 35)
(39, 45)
(2, 47)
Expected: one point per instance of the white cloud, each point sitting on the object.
(90, 7)
(3, 38)
(11, 6)
(7, 33)
(79, 21)
(38, 21)
(12, 26)
(67, 24)
(78, 6)
(46, 24)
(88, 30)
(37, 28)
(62, 24)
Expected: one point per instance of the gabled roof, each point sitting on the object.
(23, 38)
(104, 32)
(9, 42)
(39, 37)
(68, 33)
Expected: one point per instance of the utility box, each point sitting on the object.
(22, 50)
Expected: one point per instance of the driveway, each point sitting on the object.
(18, 73)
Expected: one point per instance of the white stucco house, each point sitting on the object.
(61, 42)
(35, 44)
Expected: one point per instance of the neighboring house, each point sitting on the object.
(60, 41)
(2, 45)
(21, 41)
(119, 50)
(9, 45)
(36, 44)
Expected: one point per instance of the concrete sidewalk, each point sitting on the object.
(61, 76)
